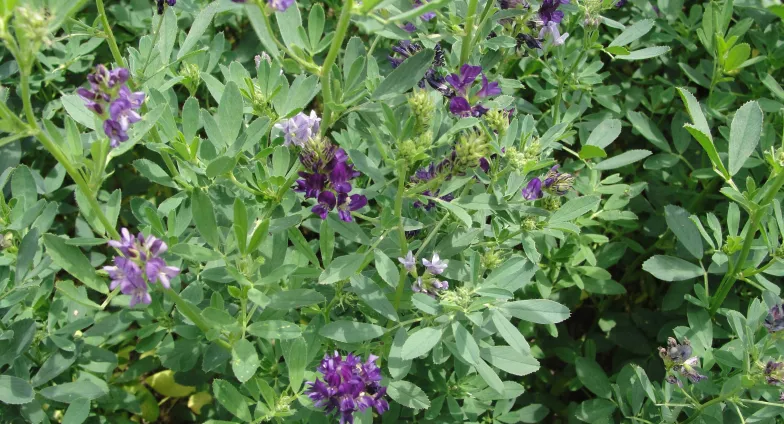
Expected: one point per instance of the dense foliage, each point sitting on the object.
(427, 211)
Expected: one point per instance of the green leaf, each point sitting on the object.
(574, 208)
(296, 361)
(22, 331)
(457, 211)
(77, 412)
(398, 367)
(684, 229)
(421, 342)
(490, 377)
(373, 296)
(342, 268)
(204, 217)
(351, 331)
(539, 311)
(194, 253)
(290, 24)
(28, 248)
(736, 56)
(240, 225)
(510, 360)
(649, 130)
(632, 33)
(316, 20)
(386, 268)
(153, 172)
(200, 24)
(592, 152)
(230, 115)
(54, 366)
(73, 261)
(593, 377)
(15, 391)
(244, 360)
(220, 166)
(74, 106)
(408, 395)
(76, 391)
(510, 333)
(745, 135)
(669, 268)
(231, 399)
(466, 345)
(405, 76)
(23, 186)
(275, 329)
(297, 298)
(595, 410)
(700, 130)
(646, 53)
(623, 159)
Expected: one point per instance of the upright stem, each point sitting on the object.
(332, 55)
(732, 273)
(107, 29)
(55, 151)
(465, 50)
(401, 187)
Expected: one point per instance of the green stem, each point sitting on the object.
(465, 50)
(732, 273)
(55, 151)
(401, 187)
(332, 55)
(107, 29)
(707, 404)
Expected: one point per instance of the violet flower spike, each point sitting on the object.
(548, 11)
(463, 81)
(436, 266)
(533, 190)
(409, 261)
(299, 129)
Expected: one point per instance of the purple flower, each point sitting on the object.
(529, 41)
(678, 357)
(552, 28)
(488, 89)
(558, 183)
(774, 322)
(161, 2)
(774, 372)
(139, 258)
(408, 27)
(280, 5)
(621, 3)
(427, 15)
(429, 286)
(513, 4)
(349, 385)
(326, 202)
(435, 266)
(348, 204)
(110, 98)
(533, 190)
(465, 79)
(549, 12)
(299, 129)
(409, 262)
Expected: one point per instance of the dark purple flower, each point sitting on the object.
(115, 132)
(549, 12)
(621, 3)
(678, 357)
(161, 2)
(465, 79)
(427, 15)
(513, 4)
(533, 190)
(348, 204)
(326, 202)
(349, 385)
(408, 27)
(774, 322)
(488, 89)
(558, 183)
(280, 5)
(529, 41)
(311, 184)
(774, 372)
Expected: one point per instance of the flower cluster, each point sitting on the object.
(299, 129)
(774, 372)
(110, 98)
(677, 357)
(406, 49)
(427, 283)
(161, 2)
(774, 322)
(140, 258)
(551, 17)
(327, 179)
(555, 183)
(349, 385)
(460, 103)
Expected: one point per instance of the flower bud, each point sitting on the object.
(498, 120)
(471, 147)
(532, 149)
(530, 223)
(551, 203)
(422, 108)
(491, 259)
(517, 159)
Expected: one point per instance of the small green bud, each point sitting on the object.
(779, 158)
(6, 241)
(733, 245)
(551, 203)
(32, 32)
(471, 147)
(422, 108)
(517, 159)
(532, 149)
(498, 120)
(779, 252)
(191, 75)
(408, 150)
(424, 140)
(530, 223)
(491, 259)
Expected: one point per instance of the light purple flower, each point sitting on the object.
(299, 129)
(409, 262)
(126, 274)
(280, 5)
(110, 98)
(436, 266)
(552, 29)
(115, 132)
